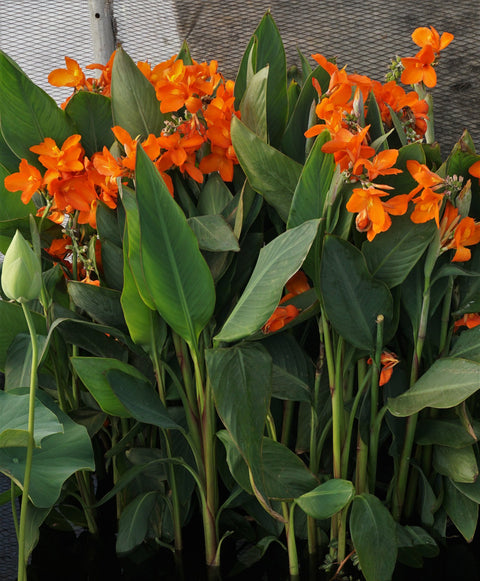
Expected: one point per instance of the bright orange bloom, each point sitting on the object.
(102, 85)
(427, 207)
(380, 165)
(221, 160)
(469, 320)
(88, 280)
(388, 362)
(475, 169)
(423, 176)
(72, 76)
(348, 147)
(28, 180)
(325, 64)
(58, 248)
(373, 214)
(424, 36)
(107, 165)
(66, 159)
(280, 317)
(467, 233)
(419, 68)
(295, 286)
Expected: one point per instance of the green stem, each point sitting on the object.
(291, 541)
(288, 413)
(22, 556)
(373, 449)
(447, 304)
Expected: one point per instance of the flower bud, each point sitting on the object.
(21, 271)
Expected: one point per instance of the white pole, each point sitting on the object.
(101, 23)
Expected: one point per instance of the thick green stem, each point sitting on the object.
(22, 556)
(288, 512)
(373, 445)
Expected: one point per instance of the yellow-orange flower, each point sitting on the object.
(388, 362)
(27, 180)
(295, 286)
(469, 320)
(72, 76)
(419, 68)
(424, 36)
(380, 165)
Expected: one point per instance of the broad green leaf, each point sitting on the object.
(35, 517)
(469, 489)
(214, 196)
(177, 275)
(277, 262)
(13, 323)
(373, 534)
(102, 304)
(140, 399)
(92, 115)
(444, 432)
(133, 522)
(459, 464)
(467, 345)
(241, 383)
(427, 499)
(132, 244)
(14, 421)
(414, 544)
(352, 297)
(327, 499)
(294, 140)
(27, 114)
(462, 511)
(8, 159)
(134, 103)
(284, 475)
(314, 183)
(391, 255)
(253, 107)
(93, 373)
(445, 384)
(213, 233)
(374, 119)
(60, 456)
(18, 364)
(112, 264)
(270, 173)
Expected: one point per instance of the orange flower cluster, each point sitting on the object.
(198, 89)
(71, 182)
(283, 315)
(419, 68)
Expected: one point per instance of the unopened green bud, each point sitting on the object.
(21, 272)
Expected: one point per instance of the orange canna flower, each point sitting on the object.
(60, 248)
(295, 286)
(381, 164)
(388, 362)
(66, 159)
(475, 169)
(467, 233)
(423, 176)
(469, 320)
(348, 147)
(419, 68)
(89, 280)
(27, 180)
(427, 207)
(280, 317)
(72, 76)
(373, 214)
(424, 36)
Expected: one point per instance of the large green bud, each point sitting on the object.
(21, 272)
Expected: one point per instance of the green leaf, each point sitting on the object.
(102, 304)
(253, 107)
(459, 464)
(93, 373)
(140, 399)
(135, 105)
(373, 534)
(462, 511)
(445, 384)
(314, 183)
(27, 114)
(277, 262)
(92, 115)
(213, 233)
(270, 173)
(414, 544)
(294, 140)
(241, 383)
(327, 499)
(467, 346)
(392, 255)
(178, 277)
(60, 456)
(352, 297)
(469, 489)
(444, 432)
(214, 196)
(14, 421)
(284, 475)
(18, 365)
(133, 523)
(13, 323)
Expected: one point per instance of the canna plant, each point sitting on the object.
(259, 299)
